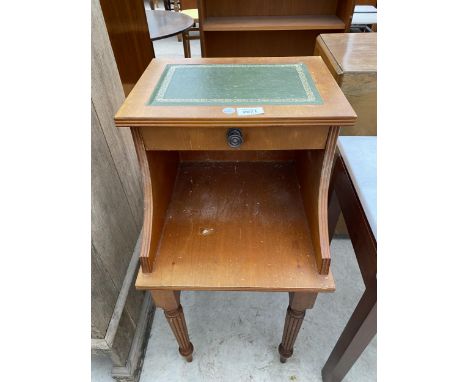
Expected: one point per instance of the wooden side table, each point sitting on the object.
(164, 24)
(353, 190)
(236, 157)
(352, 59)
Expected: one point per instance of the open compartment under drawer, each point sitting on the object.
(236, 225)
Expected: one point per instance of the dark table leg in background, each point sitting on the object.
(333, 213)
(186, 43)
(167, 5)
(359, 331)
(362, 326)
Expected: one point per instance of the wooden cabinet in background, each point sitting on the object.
(269, 28)
(352, 60)
(188, 4)
(367, 2)
(129, 36)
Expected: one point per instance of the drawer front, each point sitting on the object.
(252, 138)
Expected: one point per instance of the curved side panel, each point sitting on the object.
(158, 171)
(323, 199)
(314, 172)
(147, 200)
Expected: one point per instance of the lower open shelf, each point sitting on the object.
(236, 226)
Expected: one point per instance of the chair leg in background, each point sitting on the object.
(186, 43)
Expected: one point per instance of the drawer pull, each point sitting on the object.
(234, 137)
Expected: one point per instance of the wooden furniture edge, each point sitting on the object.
(210, 138)
(345, 9)
(323, 51)
(349, 204)
(153, 165)
(329, 289)
(362, 325)
(145, 257)
(273, 23)
(244, 122)
(314, 171)
(324, 266)
(135, 111)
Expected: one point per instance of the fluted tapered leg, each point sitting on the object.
(176, 320)
(292, 325)
(298, 303)
(169, 301)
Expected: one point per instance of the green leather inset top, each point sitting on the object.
(235, 84)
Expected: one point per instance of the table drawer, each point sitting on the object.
(216, 138)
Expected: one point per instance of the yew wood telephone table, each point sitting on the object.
(236, 156)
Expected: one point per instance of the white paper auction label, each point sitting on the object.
(250, 111)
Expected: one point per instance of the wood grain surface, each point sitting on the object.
(269, 28)
(128, 31)
(208, 138)
(257, 23)
(188, 4)
(261, 43)
(352, 60)
(345, 10)
(314, 172)
(351, 52)
(361, 91)
(335, 109)
(224, 8)
(362, 325)
(236, 226)
(158, 172)
(238, 156)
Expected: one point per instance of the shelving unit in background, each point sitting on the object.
(263, 28)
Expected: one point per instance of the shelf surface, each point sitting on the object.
(258, 23)
(236, 226)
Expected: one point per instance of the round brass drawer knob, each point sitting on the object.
(234, 137)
